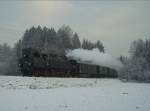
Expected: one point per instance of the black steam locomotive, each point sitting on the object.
(34, 63)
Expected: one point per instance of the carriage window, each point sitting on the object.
(25, 56)
(36, 54)
(44, 56)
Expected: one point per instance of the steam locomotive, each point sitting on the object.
(34, 63)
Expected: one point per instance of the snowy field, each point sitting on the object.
(72, 94)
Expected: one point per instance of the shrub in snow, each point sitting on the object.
(32, 87)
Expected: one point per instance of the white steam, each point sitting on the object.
(94, 57)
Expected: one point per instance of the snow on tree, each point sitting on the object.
(8, 60)
(76, 42)
(86, 44)
(137, 66)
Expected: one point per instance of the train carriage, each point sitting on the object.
(87, 70)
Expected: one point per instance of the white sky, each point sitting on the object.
(115, 23)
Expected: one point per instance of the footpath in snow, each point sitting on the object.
(72, 94)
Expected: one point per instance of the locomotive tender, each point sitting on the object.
(34, 63)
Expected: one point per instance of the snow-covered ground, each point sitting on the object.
(72, 94)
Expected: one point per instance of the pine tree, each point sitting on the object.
(86, 44)
(65, 34)
(100, 46)
(76, 42)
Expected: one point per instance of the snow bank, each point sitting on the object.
(94, 57)
(105, 95)
(12, 82)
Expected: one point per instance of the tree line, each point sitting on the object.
(45, 40)
(49, 40)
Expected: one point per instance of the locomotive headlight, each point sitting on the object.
(29, 63)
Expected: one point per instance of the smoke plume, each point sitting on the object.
(94, 57)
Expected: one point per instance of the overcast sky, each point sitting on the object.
(115, 23)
